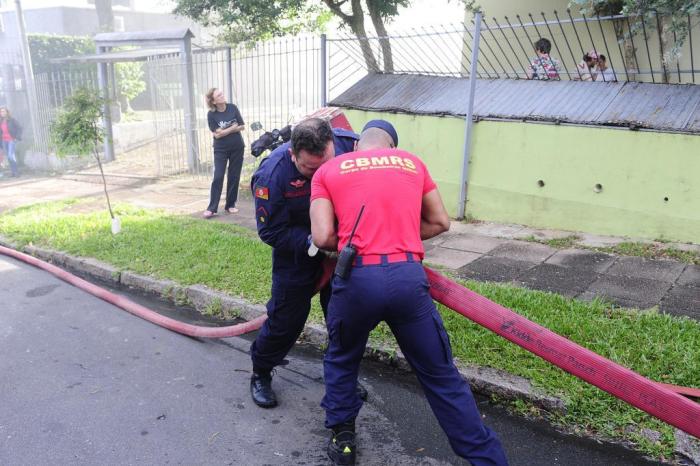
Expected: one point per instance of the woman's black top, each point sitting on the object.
(230, 116)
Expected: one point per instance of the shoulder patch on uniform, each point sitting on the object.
(262, 192)
(262, 215)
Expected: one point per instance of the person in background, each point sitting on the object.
(374, 206)
(586, 67)
(226, 123)
(603, 71)
(11, 133)
(543, 67)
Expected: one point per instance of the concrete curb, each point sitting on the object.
(484, 380)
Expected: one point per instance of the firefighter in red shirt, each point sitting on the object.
(385, 203)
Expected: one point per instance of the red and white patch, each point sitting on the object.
(262, 192)
(298, 183)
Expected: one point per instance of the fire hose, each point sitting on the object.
(137, 309)
(660, 400)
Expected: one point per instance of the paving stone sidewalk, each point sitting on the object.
(580, 273)
(479, 251)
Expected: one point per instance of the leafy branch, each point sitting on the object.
(77, 130)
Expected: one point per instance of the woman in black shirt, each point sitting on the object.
(226, 124)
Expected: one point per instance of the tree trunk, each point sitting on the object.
(105, 15)
(384, 41)
(356, 22)
(665, 52)
(104, 181)
(629, 51)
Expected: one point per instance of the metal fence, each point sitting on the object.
(636, 49)
(278, 81)
(52, 89)
(273, 82)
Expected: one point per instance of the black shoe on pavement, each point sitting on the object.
(361, 392)
(342, 448)
(261, 390)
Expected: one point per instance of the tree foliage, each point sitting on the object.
(249, 20)
(130, 81)
(45, 47)
(672, 14)
(77, 131)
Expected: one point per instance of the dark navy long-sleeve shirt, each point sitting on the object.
(282, 212)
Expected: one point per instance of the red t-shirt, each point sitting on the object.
(6, 136)
(390, 183)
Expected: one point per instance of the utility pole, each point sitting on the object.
(28, 71)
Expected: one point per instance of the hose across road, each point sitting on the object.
(662, 401)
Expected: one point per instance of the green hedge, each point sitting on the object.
(46, 47)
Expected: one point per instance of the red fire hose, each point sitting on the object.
(645, 394)
(660, 400)
(137, 309)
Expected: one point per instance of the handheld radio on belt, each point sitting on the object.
(348, 253)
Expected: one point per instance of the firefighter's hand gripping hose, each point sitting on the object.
(659, 400)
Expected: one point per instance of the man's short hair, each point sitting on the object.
(311, 135)
(543, 45)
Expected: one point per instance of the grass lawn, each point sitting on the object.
(232, 259)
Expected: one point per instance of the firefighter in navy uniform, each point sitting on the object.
(281, 187)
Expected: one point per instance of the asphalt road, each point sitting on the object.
(84, 383)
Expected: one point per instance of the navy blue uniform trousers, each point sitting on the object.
(287, 311)
(398, 294)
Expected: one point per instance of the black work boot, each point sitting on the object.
(361, 391)
(261, 390)
(341, 447)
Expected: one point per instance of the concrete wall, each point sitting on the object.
(648, 181)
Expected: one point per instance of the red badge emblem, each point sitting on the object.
(298, 183)
(261, 192)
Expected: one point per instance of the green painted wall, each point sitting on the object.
(636, 170)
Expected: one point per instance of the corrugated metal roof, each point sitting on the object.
(667, 107)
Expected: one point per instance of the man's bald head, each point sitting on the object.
(378, 134)
(375, 138)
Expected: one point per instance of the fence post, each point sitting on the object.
(28, 71)
(188, 104)
(324, 92)
(229, 75)
(103, 82)
(469, 120)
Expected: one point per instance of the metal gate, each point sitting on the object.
(272, 82)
